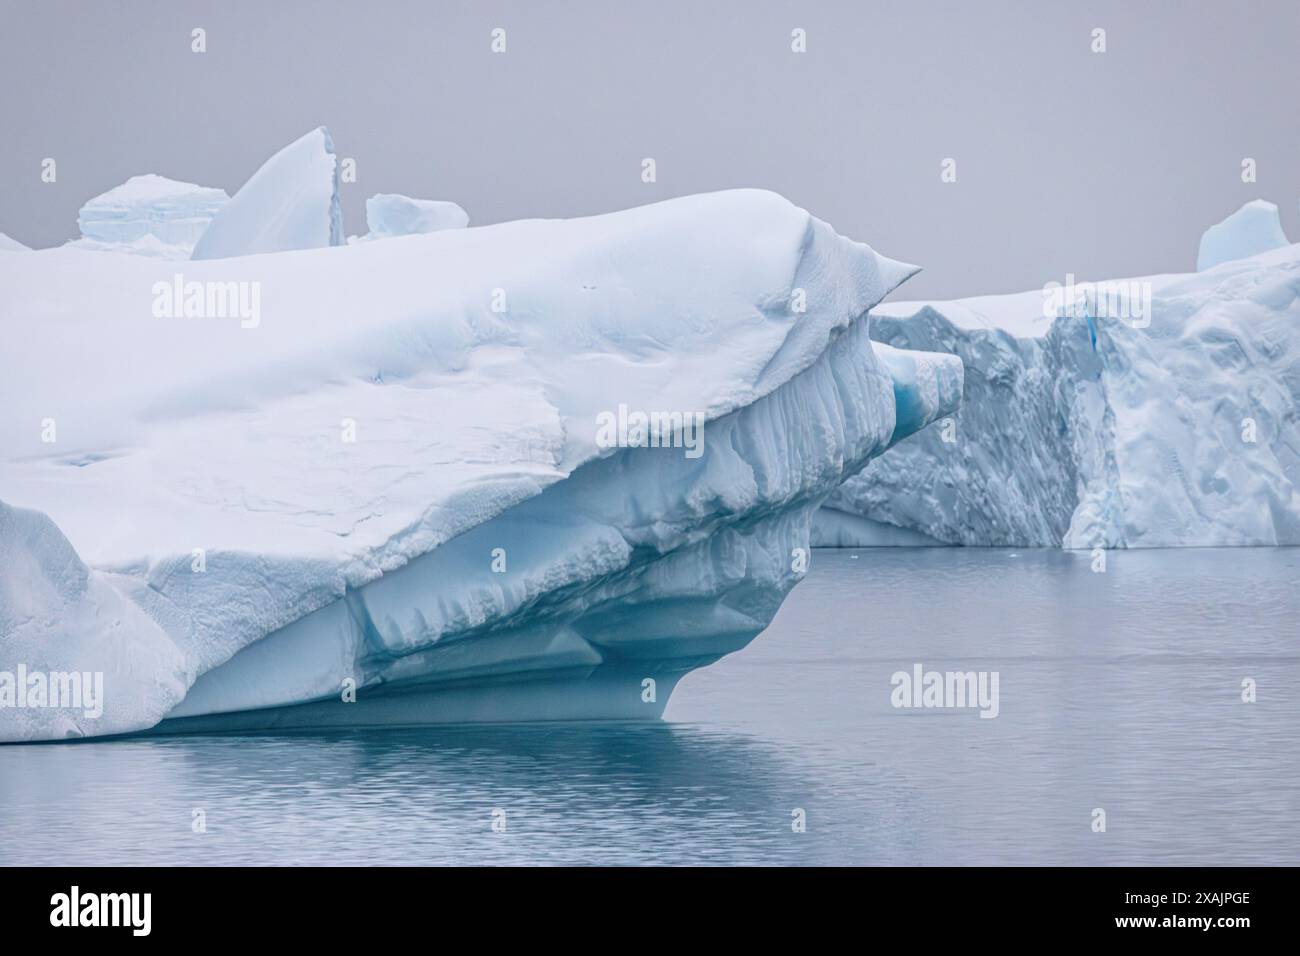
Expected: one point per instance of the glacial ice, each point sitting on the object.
(1175, 428)
(1252, 229)
(291, 202)
(149, 215)
(418, 502)
(390, 214)
(11, 245)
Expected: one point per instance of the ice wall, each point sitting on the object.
(1159, 412)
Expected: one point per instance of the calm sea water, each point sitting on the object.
(1120, 691)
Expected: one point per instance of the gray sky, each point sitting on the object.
(1067, 160)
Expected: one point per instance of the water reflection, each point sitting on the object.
(1118, 690)
(609, 793)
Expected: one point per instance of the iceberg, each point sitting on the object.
(291, 202)
(317, 520)
(11, 245)
(1252, 229)
(1137, 413)
(149, 215)
(389, 214)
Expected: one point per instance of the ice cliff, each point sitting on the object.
(291, 202)
(1151, 412)
(256, 482)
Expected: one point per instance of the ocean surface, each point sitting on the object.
(1119, 691)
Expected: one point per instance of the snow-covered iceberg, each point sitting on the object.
(400, 476)
(1252, 229)
(291, 202)
(149, 215)
(390, 214)
(1154, 412)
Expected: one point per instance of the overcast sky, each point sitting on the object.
(1101, 164)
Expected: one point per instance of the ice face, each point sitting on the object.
(1252, 229)
(388, 214)
(422, 502)
(149, 215)
(1084, 430)
(637, 567)
(291, 202)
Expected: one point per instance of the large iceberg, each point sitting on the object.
(532, 470)
(291, 202)
(1152, 412)
(1252, 229)
(149, 215)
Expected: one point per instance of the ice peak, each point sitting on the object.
(291, 202)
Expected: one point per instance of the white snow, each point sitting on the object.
(11, 245)
(149, 246)
(1180, 433)
(291, 202)
(149, 215)
(389, 214)
(1252, 229)
(203, 475)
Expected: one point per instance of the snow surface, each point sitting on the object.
(1252, 229)
(149, 246)
(1139, 440)
(11, 245)
(149, 215)
(389, 214)
(291, 202)
(201, 516)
